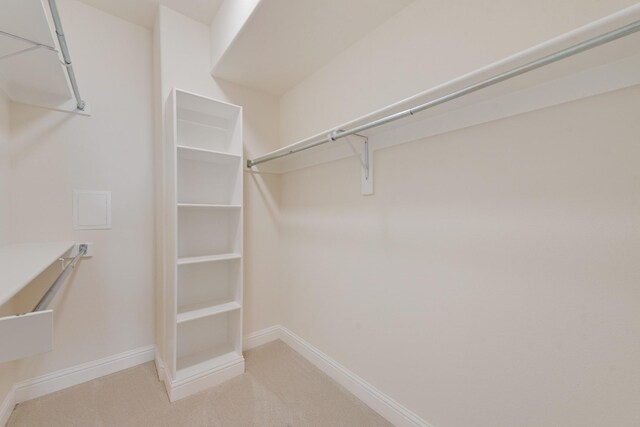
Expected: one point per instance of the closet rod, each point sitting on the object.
(498, 78)
(55, 287)
(65, 54)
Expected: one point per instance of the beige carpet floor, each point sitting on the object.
(279, 388)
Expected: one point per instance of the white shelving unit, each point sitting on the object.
(202, 243)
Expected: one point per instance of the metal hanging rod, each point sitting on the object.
(498, 78)
(57, 284)
(65, 54)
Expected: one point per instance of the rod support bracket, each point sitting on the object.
(365, 156)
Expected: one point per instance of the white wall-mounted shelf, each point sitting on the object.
(22, 263)
(292, 54)
(609, 67)
(32, 74)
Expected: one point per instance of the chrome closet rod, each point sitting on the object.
(55, 287)
(498, 78)
(65, 53)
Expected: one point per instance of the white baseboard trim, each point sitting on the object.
(58, 380)
(184, 388)
(49, 383)
(374, 398)
(7, 406)
(384, 405)
(160, 366)
(264, 336)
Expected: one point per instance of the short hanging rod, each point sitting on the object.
(55, 287)
(498, 78)
(65, 54)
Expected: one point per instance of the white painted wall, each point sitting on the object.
(107, 305)
(182, 47)
(490, 280)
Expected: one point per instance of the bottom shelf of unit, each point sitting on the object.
(204, 361)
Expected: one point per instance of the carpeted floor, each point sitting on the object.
(279, 388)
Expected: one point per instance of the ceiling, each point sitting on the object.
(285, 41)
(143, 12)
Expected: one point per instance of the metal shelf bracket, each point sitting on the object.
(365, 156)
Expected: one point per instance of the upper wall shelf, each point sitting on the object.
(279, 43)
(31, 66)
(609, 67)
(20, 264)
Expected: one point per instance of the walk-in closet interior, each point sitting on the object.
(244, 213)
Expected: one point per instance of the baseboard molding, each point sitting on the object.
(374, 398)
(384, 405)
(7, 406)
(184, 388)
(58, 380)
(262, 337)
(177, 390)
(160, 366)
(49, 383)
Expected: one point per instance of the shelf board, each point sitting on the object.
(208, 258)
(206, 361)
(207, 206)
(20, 264)
(240, 57)
(203, 155)
(206, 125)
(205, 309)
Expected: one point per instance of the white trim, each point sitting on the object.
(58, 380)
(264, 336)
(384, 405)
(160, 366)
(177, 390)
(64, 378)
(393, 411)
(7, 406)
(184, 388)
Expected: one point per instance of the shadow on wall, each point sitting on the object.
(33, 125)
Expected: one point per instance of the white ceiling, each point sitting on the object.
(143, 12)
(284, 41)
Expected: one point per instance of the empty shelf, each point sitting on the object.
(207, 205)
(204, 309)
(203, 155)
(208, 258)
